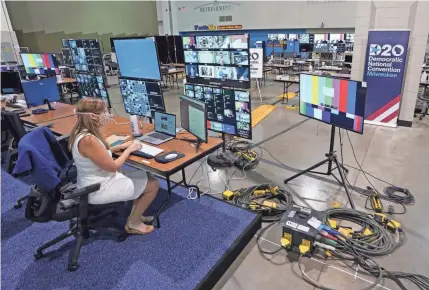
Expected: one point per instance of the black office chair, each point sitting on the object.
(63, 202)
(16, 128)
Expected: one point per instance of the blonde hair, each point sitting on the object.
(87, 122)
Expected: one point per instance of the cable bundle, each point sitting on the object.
(259, 198)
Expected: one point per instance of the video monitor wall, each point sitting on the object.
(338, 102)
(40, 63)
(228, 110)
(138, 58)
(141, 97)
(86, 55)
(90, 85)
(217, 60)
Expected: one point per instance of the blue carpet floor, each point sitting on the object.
(194, 235)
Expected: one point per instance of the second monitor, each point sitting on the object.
(141, 98)
(193, 117)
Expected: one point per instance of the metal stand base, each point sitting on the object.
(331, 157)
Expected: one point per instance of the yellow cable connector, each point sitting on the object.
(332, 223)
(304, 247)
(328, 253)
(259, 192)
(348, 232)
(336, 204)
(268, 203)
(228, 195)
(273, 189)
(286, 241)
(393, 225)
(367, 232)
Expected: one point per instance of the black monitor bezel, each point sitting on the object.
(101, 54)
(175, 120)
(332, 77)
(157, 58)
(205, 118)
(144, 80)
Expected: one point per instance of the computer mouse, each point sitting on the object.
(170, 156)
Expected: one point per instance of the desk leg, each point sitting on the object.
(187, 185)
(158, 223)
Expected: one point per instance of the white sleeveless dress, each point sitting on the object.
(115, 186)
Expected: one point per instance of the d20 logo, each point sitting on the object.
(374, 49)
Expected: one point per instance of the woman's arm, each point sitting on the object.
(120, 147)
(91, 148)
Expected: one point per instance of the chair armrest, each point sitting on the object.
(61, 138)
(82, 191)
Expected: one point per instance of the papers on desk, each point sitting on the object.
(115, 140)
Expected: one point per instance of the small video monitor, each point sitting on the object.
(205, 57)
(10, 82)
(204, 42)
(239, 41)
(191, 56)
(240, 57)
(40, 63)
(193, 115)
(37, 92)
(222, 57)
(337, 102)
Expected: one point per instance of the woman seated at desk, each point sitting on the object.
(93, 158)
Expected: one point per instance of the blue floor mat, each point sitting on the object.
(193, 237)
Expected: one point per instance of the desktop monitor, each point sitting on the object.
(305, 47)
(10, 82)
(337, 102)
(193, 117)
(165, 123)
(67, 57)
(40, 63)
(37, 92)
(141, 98)
(138, 58)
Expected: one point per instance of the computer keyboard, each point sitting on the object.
(15, 106)
(159, 136)
(150, 150)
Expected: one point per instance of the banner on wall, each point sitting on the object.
(256, 62)
(385, 63)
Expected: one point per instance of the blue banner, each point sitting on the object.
(385, 63)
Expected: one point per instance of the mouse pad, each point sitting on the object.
(162, 159)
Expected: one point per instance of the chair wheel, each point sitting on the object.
(38, 256)
(18, 205)
(121, 238)
(73, 267)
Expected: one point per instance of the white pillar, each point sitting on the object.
(412, 15)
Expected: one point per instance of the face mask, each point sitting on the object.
(103, 118)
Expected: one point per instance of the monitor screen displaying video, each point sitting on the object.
(141, 98)
(138, 58)
(228, 110)
(40, 63)
(217, 60)
(67, 57)
(86, 55)
(338, 102)
(91, 85)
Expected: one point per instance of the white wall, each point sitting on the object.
(265, 14)
(7, 34)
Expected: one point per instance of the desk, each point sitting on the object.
(62, 83)
(66, 81)
(282, 68)
(286, 84)
(61, 110)
(329, 68)
(173, 76)
(63, 126)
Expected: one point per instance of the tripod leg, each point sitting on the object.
(344, 182)
(306, 170)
